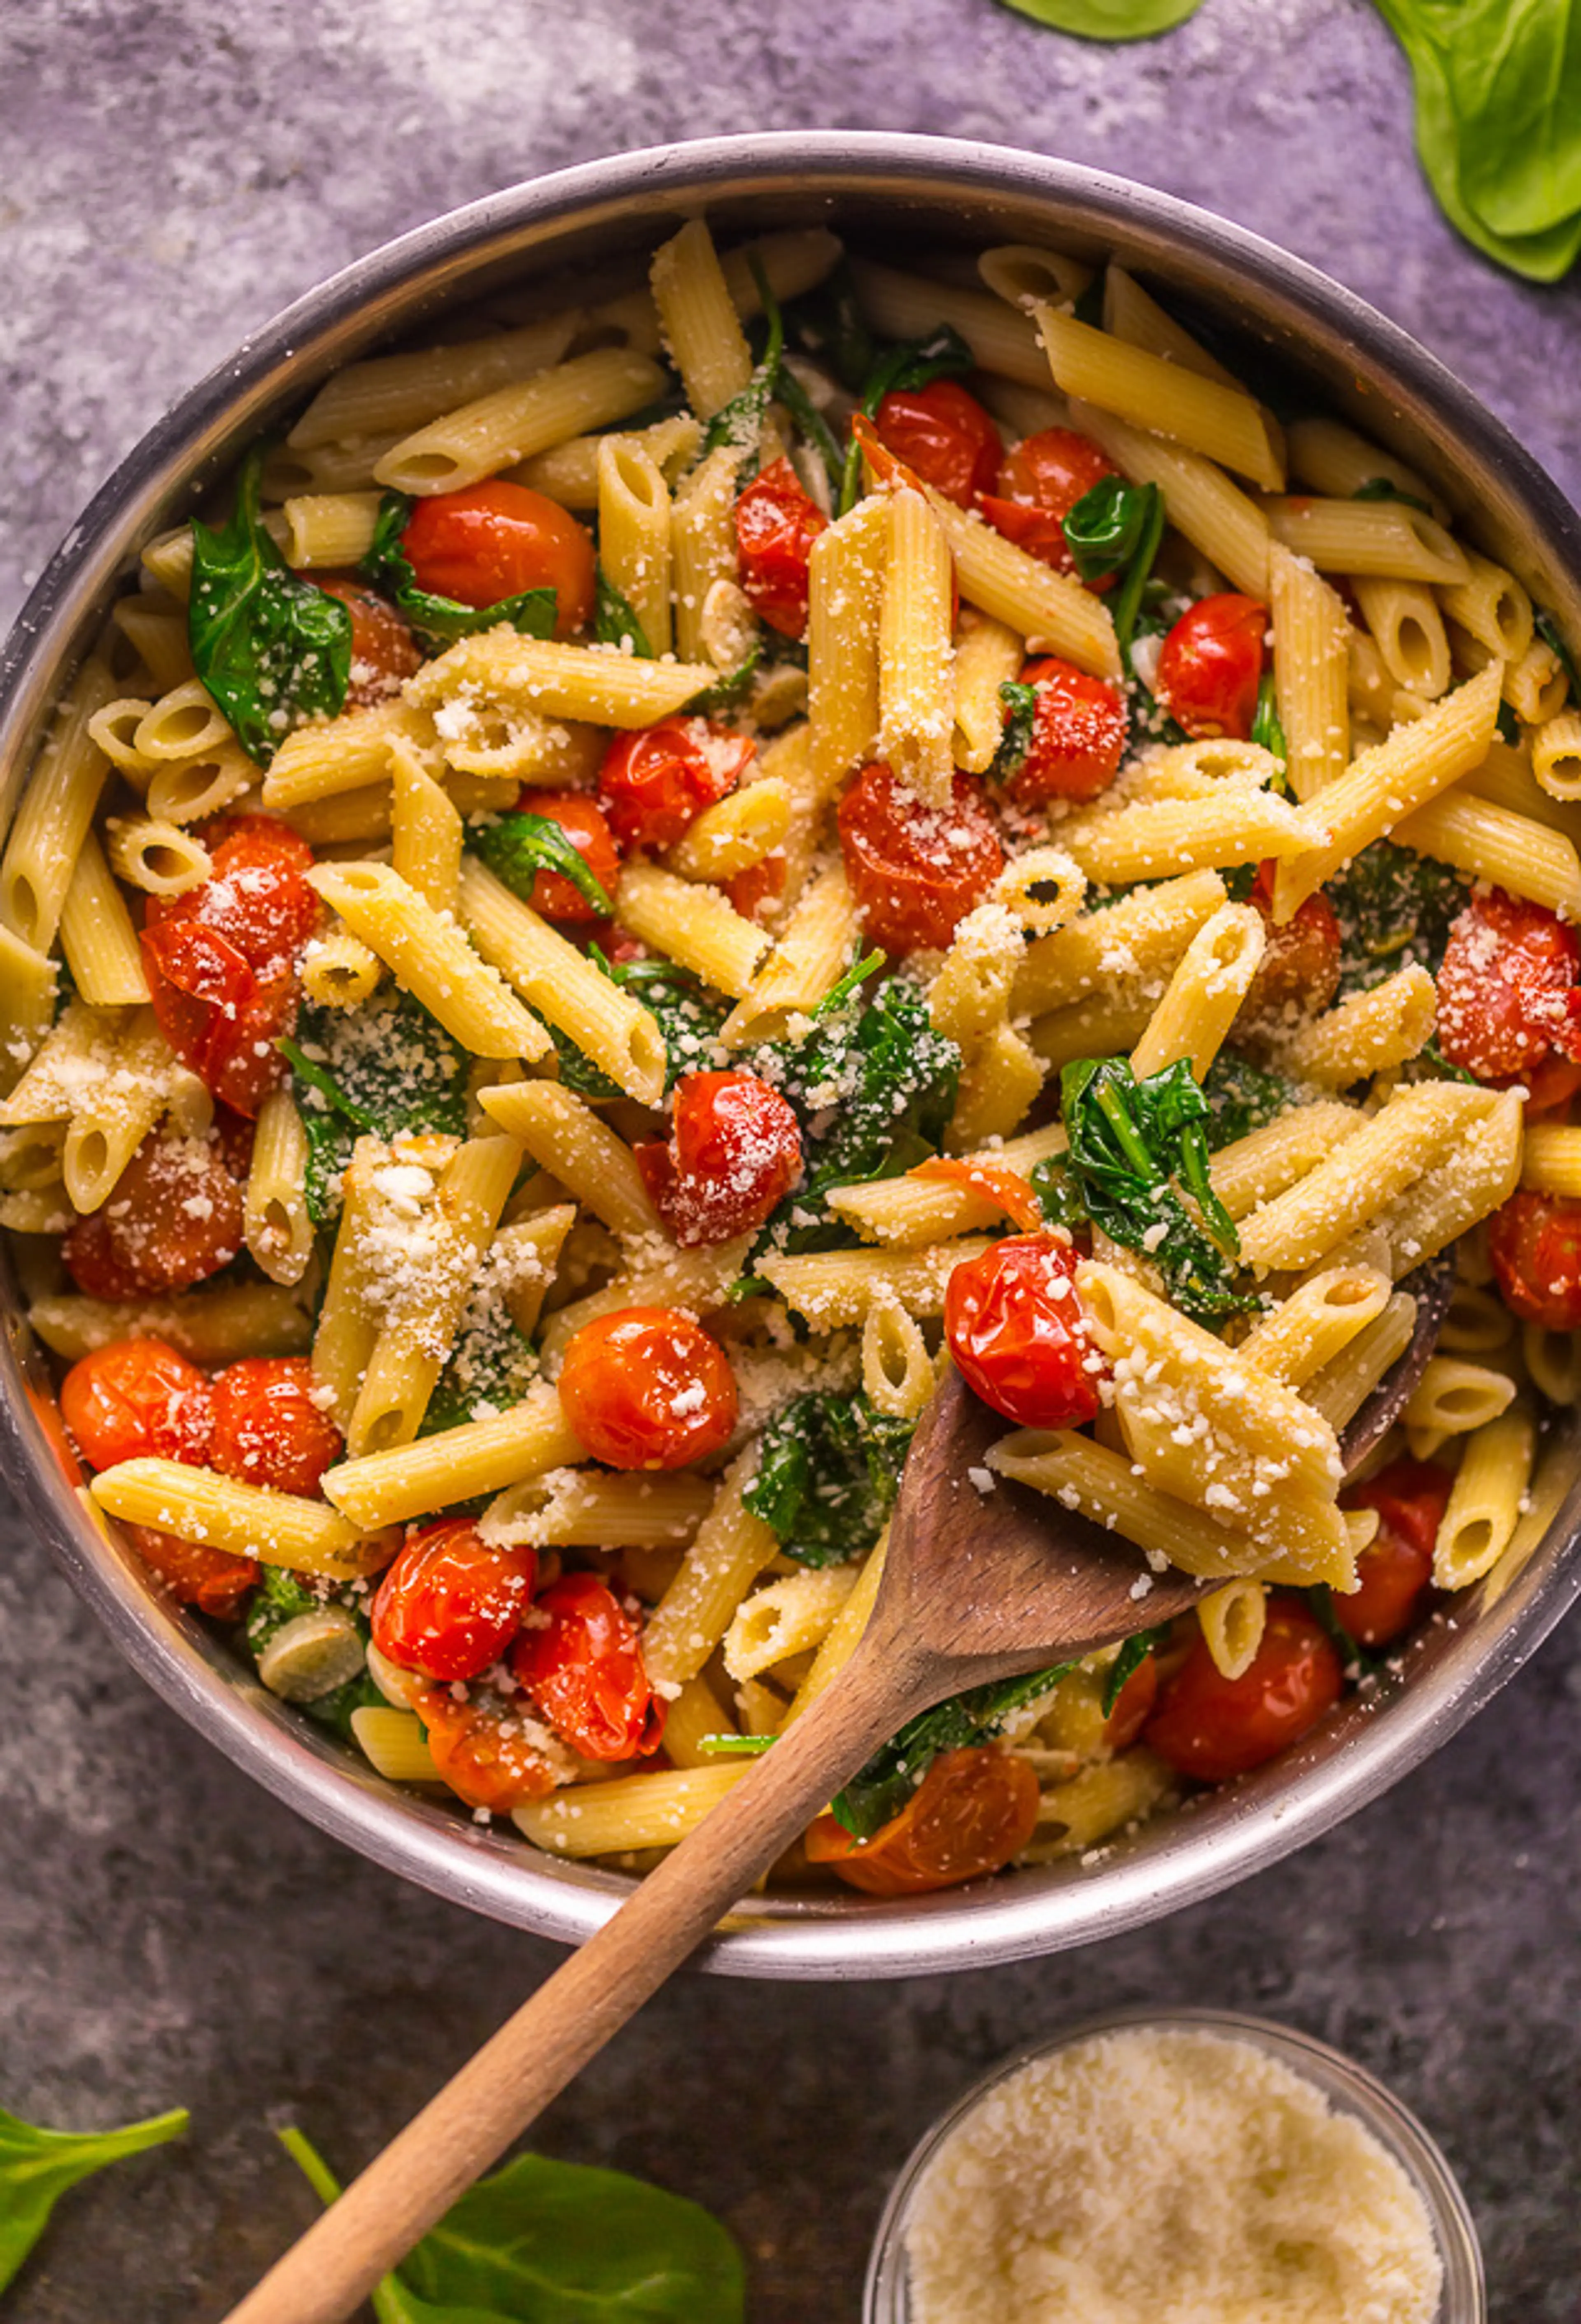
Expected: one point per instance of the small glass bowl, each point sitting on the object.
(1347, 2087)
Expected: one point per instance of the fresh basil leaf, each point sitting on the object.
(1108, 20)
(1117, 527)
(1383, 488)
(38, 2166)
(439, 622)
(884, 1786)
(1268, 733)
(615, 621)
(1021, 719)
(1550, 632)
(274, 652)
(1133, 1652)
(517, 847)
(828, 1470)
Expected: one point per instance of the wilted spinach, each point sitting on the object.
(37, 2167)
(887, 1782)
(437, 620)
(517, 847)
(828, 1472)
(384, 1068)
(1117, 527)
(1394, 908)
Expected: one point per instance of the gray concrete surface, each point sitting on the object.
(167, 1933)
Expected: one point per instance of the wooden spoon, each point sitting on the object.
(976, 1587)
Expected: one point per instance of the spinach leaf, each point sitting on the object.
(274, 650)
(1550, 632)
(1393, 908)
(384, 1068)
(730, 688)
(491, 1366)
(1021, 719)
(1137, 1166)
(1116, 527)
(1507, 726)
(687, 1013)
(439, 622)
(1357, 1661)
(739, 424)
(1243, 1097)
(827, 322)
(907, 364)
(559, 2243)
(828, 1475)
(884, 1787)
(1383, 488)
(1133, 1654)
(1109, 20)
(615, 623)
(517, 847)
(805, 412)
(1268, 733)
(848, 986)
(37, 2167)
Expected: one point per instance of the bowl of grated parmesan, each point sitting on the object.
(1198, 2167)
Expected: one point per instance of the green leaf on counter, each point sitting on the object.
(1109, 20)
(37, 2167)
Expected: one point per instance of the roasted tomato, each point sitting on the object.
(489, 1754)
(451, 1603)
(1394, 1570)
(915, 871)
(383, 651)
(1299, 968)
(1039, 483)
(944, 436)
(1535, 1245)
(172, 1218)
(579, 1659)
(1013, 1322)
(1078, 734)
(587, 826)
(213, 1580)
(1211, 665)
(134, 1400)
(1211, 1728)
(498, 539)
(1508, 999)
(647, 1388)
(973, 1811)
(1133, 1705)
(269, 1427)
(752, 890)
(734, 1152)
(656, 782)
(776, 525)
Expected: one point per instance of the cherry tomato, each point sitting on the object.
(1133, 1705)
(776, 525)
(498, 539)
(486, 1750)
(1535, 1245)
(1078, 734)
(751, 890)
(1039, 483)
(735, 1151)
(973, 1811)
(1299, 968)
(383, 651)
(996, 1181)
(1015, 1326)
(1396, 1567)
(215, 1581)
(656, 780)
(256, 896)
(647, 1388)
(451, 1604)
(1211, 1728)
(268, 1428)
(1551, 1085)
(1507, 992)
(915, 871)
(1211, 665)
(137, 1399)
(586, 827)
(174, 1217)
(944, 436)
(579, 1658)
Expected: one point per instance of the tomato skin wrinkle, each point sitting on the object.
(1012, 1320)
(776, 525)
(383, 651)
(1078, 734)
(172, 1218)
(1396, 1567)
(137, 1399)
(1211, 1728)
(1508, 999)
(268, 1430)
(1210, 666)
(656, 782)
(915, 871)
(974, 1809)
(580, 1660)
(451, 1604)
(734, 1152)
(499, 539)
(944, 436)
(1039, 484)
(587, 826)
(1535, 1245)
(647, 1388)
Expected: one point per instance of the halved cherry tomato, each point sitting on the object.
(656, 780)
(1133, 1705)
(944, 436)
(579, 1659)
(1395, 1568)
(383, 651)
(486, 1750)
(137, 1399)
(1078, 734)
(1535, 1246)
(1211, 665)
(451, 1603)
(499, 539)
(1211, 1728)
(776, 525)
(750, 891)
(1015, 1326)
(734, 1152)
(647, 1388)
(1039, 483)
(269, 1428)
(1508, 998)
(973, 1811)
(996, 1181)
(1299, 968)
(173, 1217)
(215, 1581)
(915, 871)
(587, 826)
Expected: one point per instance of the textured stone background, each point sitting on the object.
(167, 1933)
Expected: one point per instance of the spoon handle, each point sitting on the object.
(568, 2020)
